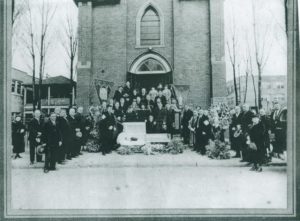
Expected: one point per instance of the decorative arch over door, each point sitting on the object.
(150, 64)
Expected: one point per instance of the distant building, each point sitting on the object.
(56, 92)
(274, 88)
(19, 78)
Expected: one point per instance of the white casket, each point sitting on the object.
(134, 133)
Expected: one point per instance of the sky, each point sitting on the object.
(269, 13)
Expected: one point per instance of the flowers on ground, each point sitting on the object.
(218, 150)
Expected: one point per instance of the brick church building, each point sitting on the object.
(177, 42)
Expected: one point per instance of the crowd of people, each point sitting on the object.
(251, 134)
(63, 134)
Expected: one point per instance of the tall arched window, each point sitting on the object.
(150, 27)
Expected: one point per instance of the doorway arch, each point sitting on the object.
(149, 70)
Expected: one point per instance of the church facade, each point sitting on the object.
(177, 42)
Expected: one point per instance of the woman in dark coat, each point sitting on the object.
(256, 135)
(18, 133)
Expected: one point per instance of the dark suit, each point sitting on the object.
(35, 126)
(170, 119)
(51, 137)
(256, 134)
(279, 143)
(246, 122)
(108, 133)
(237, 143)
(65, 136)
(203, 134)
(187, 115)
(74, 142)
(117, 95)
(160, 116)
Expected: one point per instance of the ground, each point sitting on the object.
(185, 180)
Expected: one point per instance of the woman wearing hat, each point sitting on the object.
(256, 143)
(18, 133)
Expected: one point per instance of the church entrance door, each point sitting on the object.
(150, 80)
(149, 70)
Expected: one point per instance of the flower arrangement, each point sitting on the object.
(174, 147)
(92, 146)
(127, 150)
(218, 150)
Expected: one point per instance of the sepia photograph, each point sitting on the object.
(149, 108)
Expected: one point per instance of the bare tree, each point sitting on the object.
(249, 70)
(232, 44)
(70, 45)
(31, 49)
(37, 41)
(262, 47)
(18, 11)
(46, 11)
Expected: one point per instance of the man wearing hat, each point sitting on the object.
(35, 132)
(108, 131)
(52, 142)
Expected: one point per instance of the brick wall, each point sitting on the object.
(218, 71)
(132, 11)
(192, 51)
(107, 36)
(109, 42)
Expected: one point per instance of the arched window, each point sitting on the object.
(150, 27)
(151, 65)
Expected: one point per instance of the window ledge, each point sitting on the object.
(150, 46)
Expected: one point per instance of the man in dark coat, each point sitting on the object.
(265, 120)
(278, 143)
(246, 122)
(127, 91)
(236, 143)
(123, 105)
(65, 131)
(246, 118)
(186, 116)
(150, 125)
(52, 141)
(160, 116)
(74, 141)
(161, 97)
(82, 125)
(18, 133)
(108, 131)
(118, 94)
(170, 121)
(35, 128)
(198, 130)
(203, 132)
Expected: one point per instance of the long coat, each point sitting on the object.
(34, 127)
(256, 134)
(51, 134)
(18, 137)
